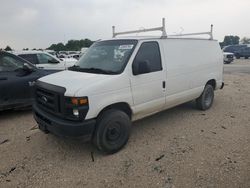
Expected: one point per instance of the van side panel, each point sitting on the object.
(190, 63)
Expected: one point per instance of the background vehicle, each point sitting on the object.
(228, 57)
(243, 52)
(121, 80)
(44, 60)
(234, 48)
(51, 52)
(16, 78)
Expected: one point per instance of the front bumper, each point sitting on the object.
(228, 59)
(61, 127)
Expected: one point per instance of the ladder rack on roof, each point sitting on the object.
(210, 33)
(163, 30)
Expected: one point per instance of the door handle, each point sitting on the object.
(163, 84)
(3, 78)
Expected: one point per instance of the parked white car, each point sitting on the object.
(44, 60)
(228, 57)
(121, 80)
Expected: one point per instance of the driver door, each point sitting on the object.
(148, 88)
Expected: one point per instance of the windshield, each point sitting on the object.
(106, 57)
(10, 62)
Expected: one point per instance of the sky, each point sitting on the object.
(39, 23)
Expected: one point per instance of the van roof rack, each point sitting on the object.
(163, 30)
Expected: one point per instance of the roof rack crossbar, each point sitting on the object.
(162, 28)
(210, 33)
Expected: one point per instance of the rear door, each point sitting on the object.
(15, 88)
(148, 89)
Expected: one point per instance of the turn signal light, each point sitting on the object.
(83, 101)
(79, 101)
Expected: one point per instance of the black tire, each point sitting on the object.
(237, 56)
(112, 131)
(246, 57)
(206, 99)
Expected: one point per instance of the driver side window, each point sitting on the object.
(149, 52)
(9, 63)
(44, 58)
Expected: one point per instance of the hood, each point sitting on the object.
(73, 81)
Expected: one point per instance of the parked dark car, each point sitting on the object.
(245, 52)
(17, 76)
(234, 48)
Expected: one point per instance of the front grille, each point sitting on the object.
(48, 100)
(230, 56)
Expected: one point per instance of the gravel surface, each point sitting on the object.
(237, 66)
(180, 147)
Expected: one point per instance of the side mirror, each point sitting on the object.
(54, 61)
(25, 70)
(140, 67)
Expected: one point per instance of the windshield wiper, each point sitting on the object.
(91, 70)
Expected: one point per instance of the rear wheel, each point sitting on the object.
(112, 132)
(206, 99)
(246, 57)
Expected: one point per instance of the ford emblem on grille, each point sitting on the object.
(44, 99)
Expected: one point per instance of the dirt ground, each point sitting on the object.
(180, 147)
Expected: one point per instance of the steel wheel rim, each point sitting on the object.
(113, 133)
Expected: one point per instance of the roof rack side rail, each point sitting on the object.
(210, 33)
(162, 28)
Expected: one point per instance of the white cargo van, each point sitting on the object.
(120, 80)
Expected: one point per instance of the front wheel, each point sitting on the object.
(112, 132)
(206, 99)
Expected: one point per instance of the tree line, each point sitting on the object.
(71, 45)
(77, 45)
(234, 40)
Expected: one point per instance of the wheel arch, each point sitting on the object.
(212, 82)
(123, 106)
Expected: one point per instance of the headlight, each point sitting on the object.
(76, 112)
(76, 108)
